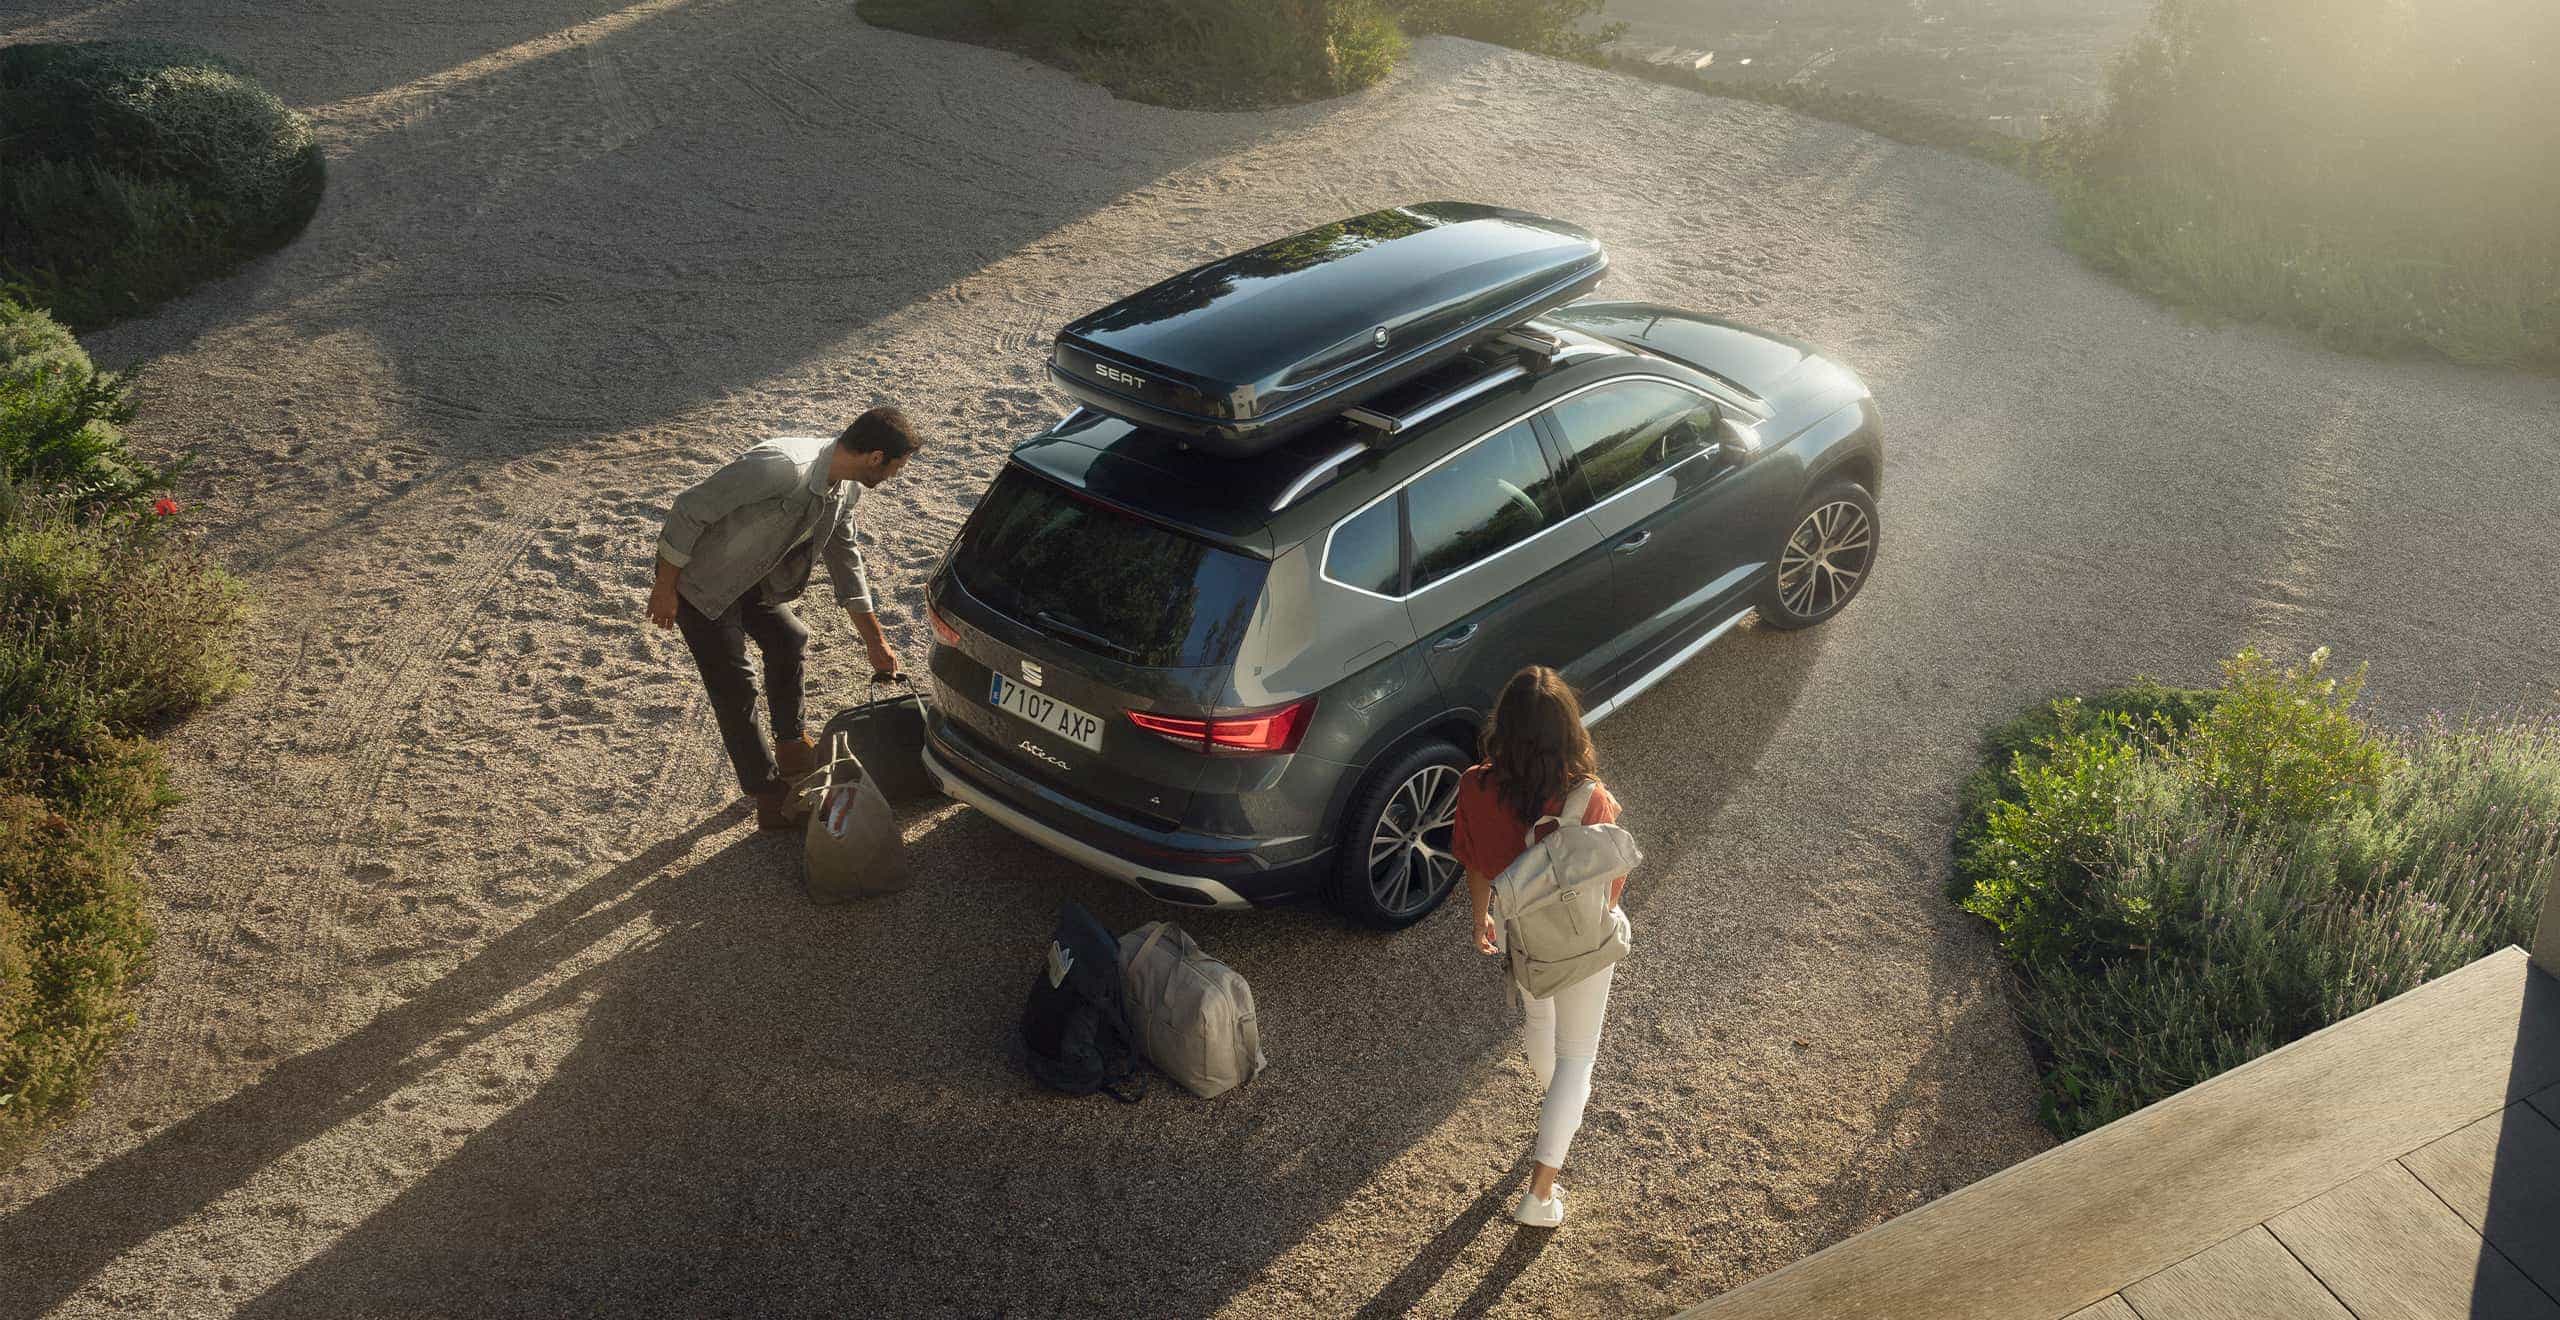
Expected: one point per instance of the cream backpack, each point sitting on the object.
(1558, 925)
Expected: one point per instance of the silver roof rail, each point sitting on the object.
(1539, 347)
(1398, 424)
(1312, 477)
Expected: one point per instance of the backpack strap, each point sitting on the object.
(1576, 803)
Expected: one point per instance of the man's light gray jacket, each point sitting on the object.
(764, 518)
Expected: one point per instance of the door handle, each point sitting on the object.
(1456, 639)
(1633, 543)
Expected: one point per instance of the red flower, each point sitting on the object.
(164, 506)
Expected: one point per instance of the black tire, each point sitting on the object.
(1366, 885)
(1827, 555)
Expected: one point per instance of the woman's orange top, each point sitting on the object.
(1486, 837)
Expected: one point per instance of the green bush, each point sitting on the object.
(111, 625)
(59, 417)
(2378, 173)
(2039, 864)
(2185, 881)
(74, 938)
(108, 627)
(2011, 749)
(2282, 748)
(130, 170)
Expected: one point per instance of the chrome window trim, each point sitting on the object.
(1324, 565)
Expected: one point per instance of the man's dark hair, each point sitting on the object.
(881, 431)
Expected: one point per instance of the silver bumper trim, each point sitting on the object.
(1075, 850)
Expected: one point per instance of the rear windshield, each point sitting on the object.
(1103, 581)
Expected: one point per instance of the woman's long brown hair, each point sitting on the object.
(1536, 743)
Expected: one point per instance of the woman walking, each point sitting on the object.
(1536, 753)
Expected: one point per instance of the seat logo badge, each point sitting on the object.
(1035, 749)
(1379, 336)
(1031, 673)
(1117, 376)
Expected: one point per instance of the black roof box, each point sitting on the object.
(1237, 355)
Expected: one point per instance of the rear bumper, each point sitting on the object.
(1192, 870)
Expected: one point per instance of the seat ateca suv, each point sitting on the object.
(1230, 630)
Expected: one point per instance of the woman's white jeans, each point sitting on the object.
(1562, 1035)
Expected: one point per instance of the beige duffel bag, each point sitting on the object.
(852, 847)
(1194, 1014)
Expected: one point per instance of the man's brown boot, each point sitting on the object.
(778, 807)
(796, 757)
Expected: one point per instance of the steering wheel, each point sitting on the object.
(1521, 498)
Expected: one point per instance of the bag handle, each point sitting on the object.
(824, 779)
(1148, 943)
(899, 679)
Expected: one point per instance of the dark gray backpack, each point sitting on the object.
(1075, 1032)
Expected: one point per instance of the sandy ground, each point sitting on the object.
(479, 996)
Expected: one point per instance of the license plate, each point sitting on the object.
(1051, 714)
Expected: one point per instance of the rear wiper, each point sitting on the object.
(1057, 622)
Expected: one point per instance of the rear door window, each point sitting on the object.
(1104, 580)
(1621, 434)
(1486, 500)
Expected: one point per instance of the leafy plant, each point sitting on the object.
(2145, 707)
(2038, 859)
(60, 417)
(110, 626)
(2184, 890)
(74, 936)
(2282, 747)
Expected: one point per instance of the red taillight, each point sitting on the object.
(1264, 731)
(950, 636)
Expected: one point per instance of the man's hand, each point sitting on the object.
(884, 662)
(662, 596)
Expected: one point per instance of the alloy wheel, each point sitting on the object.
(1826, 559)
(1410, 863)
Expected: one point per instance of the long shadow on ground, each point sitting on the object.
(775, 1109)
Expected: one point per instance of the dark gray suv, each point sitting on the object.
(1229, 631)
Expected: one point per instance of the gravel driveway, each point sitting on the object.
(479, 996)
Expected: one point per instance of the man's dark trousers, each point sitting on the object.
(719, 647)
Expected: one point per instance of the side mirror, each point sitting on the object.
(1738, 441)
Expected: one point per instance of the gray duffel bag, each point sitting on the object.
(1194, 1014)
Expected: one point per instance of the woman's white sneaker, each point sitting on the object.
(1537, 1213)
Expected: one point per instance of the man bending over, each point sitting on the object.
(737, 550)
